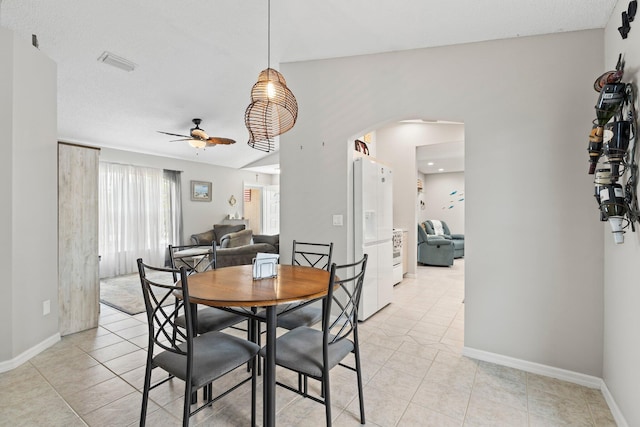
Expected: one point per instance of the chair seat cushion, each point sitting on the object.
(301, 350)
(438, 241)
(214, 354)
(305, 316)
(212, 319)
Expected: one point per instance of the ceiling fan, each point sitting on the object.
(198, 138)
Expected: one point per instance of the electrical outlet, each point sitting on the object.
(46, 307)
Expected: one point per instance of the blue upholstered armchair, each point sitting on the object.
(457, 239)
(434, 250)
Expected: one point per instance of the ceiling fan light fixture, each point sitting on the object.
(198, 138)
(197, 143)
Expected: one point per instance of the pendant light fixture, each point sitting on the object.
(273, 109)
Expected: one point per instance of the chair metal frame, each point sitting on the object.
(191, 269)
(316, 255)
(165, 334)
(344, 325)
(312, 254)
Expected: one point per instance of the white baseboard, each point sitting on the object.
(23, 357)
(613, 407)
(534, 368)
(550, 371)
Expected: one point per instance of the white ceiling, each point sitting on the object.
(198, 58)
(444, 157)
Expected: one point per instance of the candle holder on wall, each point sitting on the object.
(612, 152)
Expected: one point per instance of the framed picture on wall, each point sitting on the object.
(201, 191)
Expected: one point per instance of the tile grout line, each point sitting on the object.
(55, 390)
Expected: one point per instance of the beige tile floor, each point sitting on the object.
(414, 375)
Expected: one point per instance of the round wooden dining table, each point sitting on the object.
(235, 287)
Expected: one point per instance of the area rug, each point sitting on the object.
(124, 293)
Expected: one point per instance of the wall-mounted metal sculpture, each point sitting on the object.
(612, 152)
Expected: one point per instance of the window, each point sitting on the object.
(140, 215)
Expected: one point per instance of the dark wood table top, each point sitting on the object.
(235, 286)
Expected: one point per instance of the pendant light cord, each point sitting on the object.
(268, 33)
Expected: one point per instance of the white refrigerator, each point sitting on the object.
(373, 229)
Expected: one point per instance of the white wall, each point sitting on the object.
(28, 128)
(532, 292)
(6, 168)
(621, 267)
(440, 203)
(395, 144)
(197, 216)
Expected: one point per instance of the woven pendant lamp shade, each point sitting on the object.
(272, 112)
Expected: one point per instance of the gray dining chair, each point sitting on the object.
(193, 257)
(317, 255)
(312, 352)
(290, 316)
(209, 318)
(198, 360)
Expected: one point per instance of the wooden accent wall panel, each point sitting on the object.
(78, 263)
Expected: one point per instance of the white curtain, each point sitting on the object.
(133, 218)
(173, 202)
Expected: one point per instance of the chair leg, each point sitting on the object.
(145, 394)
(186, 409)
(303, 384)
(356, 348)
(251, 336)
(327, 395)
(254, 385)
(207, 393)
(258, 339)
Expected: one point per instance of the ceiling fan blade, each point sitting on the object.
(182, 140)
(214, 140)
(174, 134)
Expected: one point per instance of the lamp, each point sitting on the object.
(273, 109)
(197, 143)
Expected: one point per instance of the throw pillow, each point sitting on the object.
(240, 238)
(221, 230)
(273, 240)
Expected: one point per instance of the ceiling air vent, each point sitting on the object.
(116, 61)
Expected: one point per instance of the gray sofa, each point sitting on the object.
(457, 239)
(236, 245)
(434, 250)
